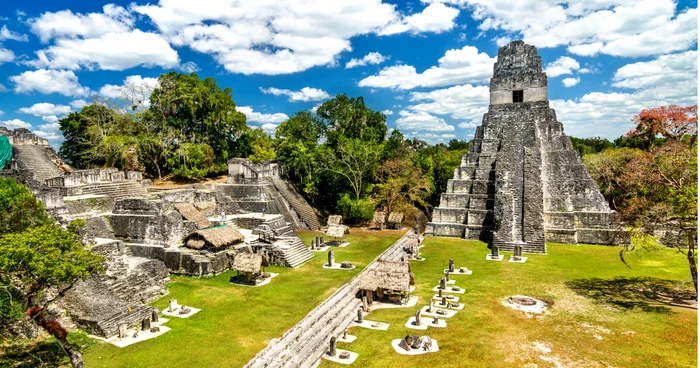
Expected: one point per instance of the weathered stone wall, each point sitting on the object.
(149, 221)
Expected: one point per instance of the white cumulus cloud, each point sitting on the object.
(257, 117)
(15, 123)
(465, 65)
(570, 82)
(561, 66)
(631, 28)
(305, 94)
(47, 81)
(109, 51)
(422, 121)
(371, 58)
(45, 109)
(6, 34)
(65, 23)
(435, 18)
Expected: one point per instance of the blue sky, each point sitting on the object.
(425, 64)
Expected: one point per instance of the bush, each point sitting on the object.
(355, 211)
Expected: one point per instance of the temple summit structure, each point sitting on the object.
(521, 182)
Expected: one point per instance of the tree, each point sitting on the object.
(671, 122)
(587, 146)
(296, 145)
(343, 116)
(37, 267)
(196, 111)
(608, 168)
(19, 209)
(402, 187)
(192, 160)
(262, 147)
(665, 180)
(39, 262)
(355, 160)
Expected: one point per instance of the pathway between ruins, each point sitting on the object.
(304, 344)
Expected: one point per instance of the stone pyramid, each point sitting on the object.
(521, 181)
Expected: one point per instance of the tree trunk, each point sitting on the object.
(691, 260)
(155, 162)
(55, 329)
(76, 359)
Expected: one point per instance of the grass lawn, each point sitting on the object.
(603, 314)
(236, 321)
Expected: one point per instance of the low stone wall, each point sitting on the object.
(242, 190)
(185, 261)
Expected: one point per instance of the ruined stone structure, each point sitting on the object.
(521, 181)
(34, 161)
(103, 302)
(257, 187)
(147, 235)
(37, 165)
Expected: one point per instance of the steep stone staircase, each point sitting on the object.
(295, 252)
(300, 206)
(35, 159)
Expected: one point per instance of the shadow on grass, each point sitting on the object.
(44, 353)
(646, 294)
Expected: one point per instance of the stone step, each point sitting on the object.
(300, 206)
(35, 159)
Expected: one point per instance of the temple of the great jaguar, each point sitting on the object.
(522, 183)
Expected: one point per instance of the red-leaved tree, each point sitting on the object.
(672, 122)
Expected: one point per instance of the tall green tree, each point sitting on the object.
(349, 117)
(196, 111)
(39, 263)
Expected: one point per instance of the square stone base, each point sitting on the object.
(336, 357)
(489, 258)
(521, 260)
(176, 312)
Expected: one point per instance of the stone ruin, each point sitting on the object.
(101, 303)
(147, 234)
(258, 187)
(36, 164)
(521, 181)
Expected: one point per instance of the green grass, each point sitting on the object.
(236, 322)
(588, 285)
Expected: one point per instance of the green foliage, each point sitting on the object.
(184, 110)
(348, 117)
(19, 208)
(262, 146)
(76, 225)
(192, 161)
(638, 142)
(355, 211)
(590, 145)
(608, 168)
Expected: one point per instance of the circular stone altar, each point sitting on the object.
(525, 304)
